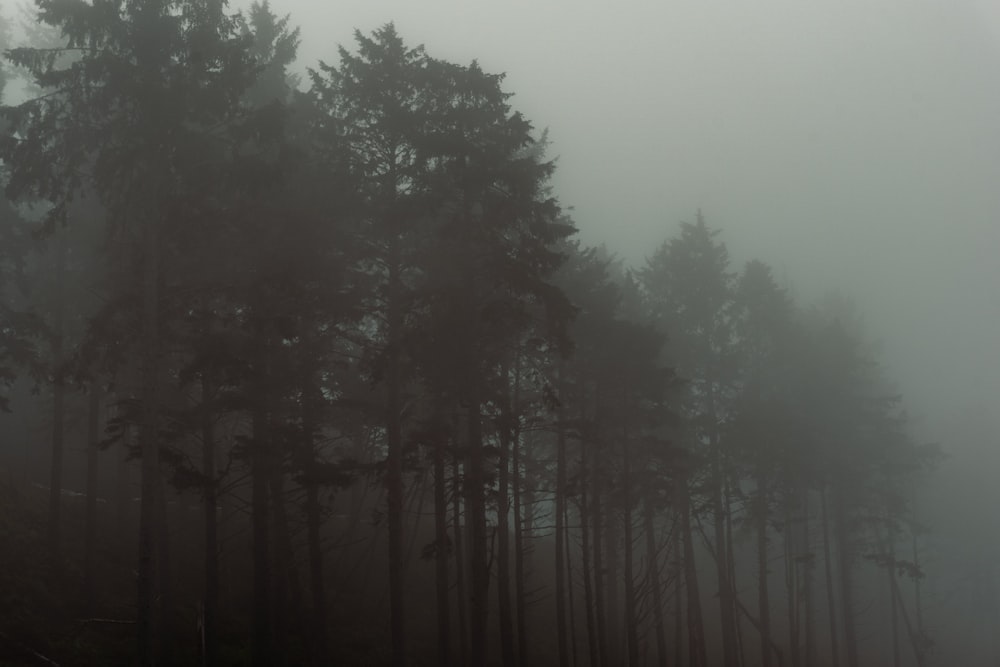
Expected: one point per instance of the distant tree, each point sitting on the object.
(689, 288)
(140, 119)
(761, 431)
(20, 330)
(374, 104)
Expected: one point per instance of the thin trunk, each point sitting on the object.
(287, 589)
(614, 615)
(58, 406)
(394, 459)
(503, 536)
(93, 442)
(720, 510)
(261, 648)
(726, 615)
(791, 588)
(631, 615)
(560, 539)
(918, 646)
(731, 564)
(764, 604)
(807, 584)
(520, 583)
(209, 638)
(475, 492)
(652, 558)
(679, 639)
(741, 608)
(148, 622)
(166, 590)
(122, 487)
(588, 573)
(597, 517)
(463, 615)
(828, 562)
(317, 587)
(696, 629)
(569, 590)
(314, 519)
(441, 554)
(890, 573)
(846, 563)
(916, 639)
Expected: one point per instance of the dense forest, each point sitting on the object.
(316, 371)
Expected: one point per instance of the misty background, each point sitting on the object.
(854, 146)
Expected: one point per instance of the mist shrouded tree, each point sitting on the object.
(450, 192)
(369, 286)
(140, 119)
(761, 431)
(496, 248)
(375, 106)
(689, 290)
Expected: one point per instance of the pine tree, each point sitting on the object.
(140, 119)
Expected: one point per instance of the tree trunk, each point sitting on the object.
(520, 575)
(588, 573)
(441, 551)
(890, 571)
(791, 579)
(731, 566)
(846, 562)
(317, 587)
(261, 648)
(122, 501)
(726, 606)
(58, 405)
(93, 443)
(598, 519)
(560, 538)
(631, 614)
(807, 584)
(475, 508)
(696, 629)
(209, 637)
(164, 585)
(320, 649)
(569, 590)
(503, 535)
(653, 560)
(918, 639)
(679, 593)
(394, 460)
(831, 603)
(763, 601)
(148, 624)
(460, 587)
(614, 616)
(287, 601)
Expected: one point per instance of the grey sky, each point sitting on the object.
(854, 145)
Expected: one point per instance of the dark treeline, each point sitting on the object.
(316, 372)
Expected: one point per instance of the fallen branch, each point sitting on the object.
(30, 651)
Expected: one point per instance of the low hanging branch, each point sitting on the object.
(756, 624)
(918, 642)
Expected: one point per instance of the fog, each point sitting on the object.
(853, 146)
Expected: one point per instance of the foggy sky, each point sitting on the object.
(854, 145)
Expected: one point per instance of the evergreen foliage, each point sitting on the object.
(320, 317)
